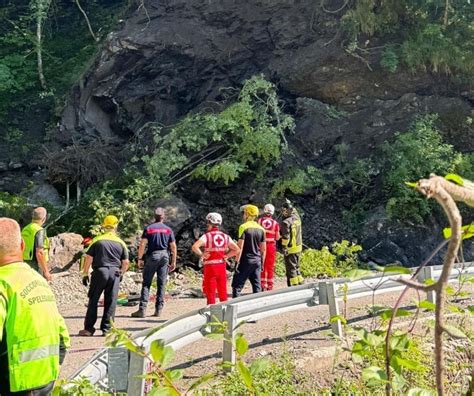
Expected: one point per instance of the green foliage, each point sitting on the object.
(325, 262)
(279, 378)
(299, 181)
(389, 59)
(413, 155)
(241, 139)
(431, 36)
(13, 206)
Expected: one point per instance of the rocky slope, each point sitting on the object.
(175, 56)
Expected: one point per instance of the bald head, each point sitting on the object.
(11, 244)
(39, 214)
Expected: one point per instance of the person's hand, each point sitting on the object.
(140, 263)
(85, 280)
(48, 276)
(171, 267)
(205, 255)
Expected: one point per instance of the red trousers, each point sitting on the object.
(269, 267)
(215, 277)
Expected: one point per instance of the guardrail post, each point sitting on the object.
(137, 368)
(228, 354)
(428, 273)
(117, 369)
(331, 290)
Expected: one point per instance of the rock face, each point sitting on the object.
(65, 252)
(177, 57)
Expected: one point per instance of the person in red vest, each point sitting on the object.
(218, 247)
(272, 235)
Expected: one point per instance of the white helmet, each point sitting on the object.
(269, 209)
(214, 218)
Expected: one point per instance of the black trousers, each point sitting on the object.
(107, 280)
(292, 266)
(250, 270)
(156, 263)
(43, 391)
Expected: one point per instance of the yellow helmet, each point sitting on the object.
(110, 221)
(251, 210)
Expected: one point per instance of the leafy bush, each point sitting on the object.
(326, 262)
(413, 155)
(279, 378)
(433, 35)
(13, 206)
(243, 138)
(299, 181)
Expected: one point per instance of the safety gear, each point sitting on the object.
(85, 280)
(292, 266)
(108, 236)
(214, 218)
(251, 210)
(215, 276)
(28, 234)
(287, 204)
(110, 221)
(35, 331)
(87, 241)
(291, 234)
(268, 270)
(271, 227)
(269, 209)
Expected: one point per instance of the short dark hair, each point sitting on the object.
(159, 217)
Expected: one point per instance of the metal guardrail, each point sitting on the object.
(118, 370)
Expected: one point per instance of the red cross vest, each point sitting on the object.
(271, 227)
(217, 244)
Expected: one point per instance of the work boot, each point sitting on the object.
(157, 312)
(138, 314)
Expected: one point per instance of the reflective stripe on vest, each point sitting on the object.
(296, 244)
(217, 244)
(108, 236)
(38, 353)
(270, 225)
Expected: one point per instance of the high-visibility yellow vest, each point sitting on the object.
(28, 234)
(33, 327)
(295, 243)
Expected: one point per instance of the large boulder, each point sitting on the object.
(177, 212)
(65, 251)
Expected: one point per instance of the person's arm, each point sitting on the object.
(87, 265)
(196, 248)
(263, 250)
(40, 254)
(277, 233)
(174, 253)
(141, 251)
(285, 237)
(234, 250)
(64, 339)
(240, 245)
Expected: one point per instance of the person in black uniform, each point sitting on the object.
(108, 255)
(158, 240)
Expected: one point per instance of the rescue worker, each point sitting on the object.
(37, 243)
(272, 235)
(158, 240)
(33, 335)
(292, 244)
(218, 247)
(252, 245)
(108, 255)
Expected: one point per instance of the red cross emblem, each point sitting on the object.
(219, 240)
(267, 224)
